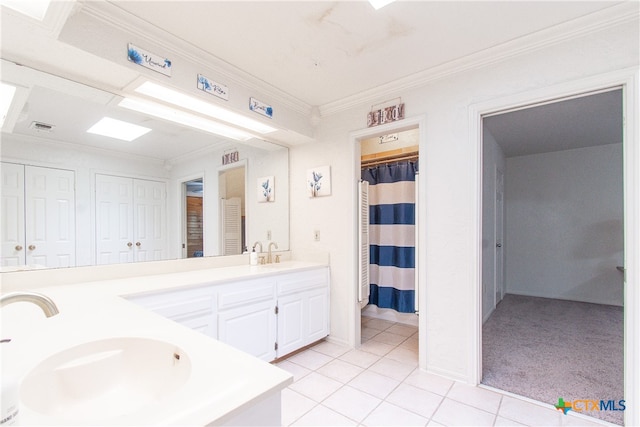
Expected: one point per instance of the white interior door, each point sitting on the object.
(12, 228)
(114, 219)
(50, 217)
(499, 238)
(231, 226)
(150, 221)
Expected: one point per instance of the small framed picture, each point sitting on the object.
(319, 181)
(266, 189)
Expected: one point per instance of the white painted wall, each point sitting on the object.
(492, 158)
(449, 178)
(564, 225)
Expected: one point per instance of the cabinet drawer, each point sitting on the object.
(188, 307)
(178, 303)
(193, 308)
(302, 281)
(244, 293)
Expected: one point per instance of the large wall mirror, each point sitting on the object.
(74, 198)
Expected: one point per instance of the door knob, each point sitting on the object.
(18, 248)
(32, 247)
(138, 244)
(498, 245)
(129, 244)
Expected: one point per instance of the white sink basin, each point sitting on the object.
(105, 379)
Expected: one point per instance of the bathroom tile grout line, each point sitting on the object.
(359, 423)
(333, 356)
(382, 400)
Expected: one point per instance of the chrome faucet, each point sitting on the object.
(44, 302)
(269, 260)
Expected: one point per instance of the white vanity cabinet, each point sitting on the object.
(267, 317)
(303, 309)
(247, 317)
(193, 308)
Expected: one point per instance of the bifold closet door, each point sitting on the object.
(50, 217)
(131, 220)
(114, 219)
(150, 220)
(12, 219)
(38, 216)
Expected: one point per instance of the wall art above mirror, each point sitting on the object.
(76, 198)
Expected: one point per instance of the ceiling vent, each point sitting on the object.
(41, 127)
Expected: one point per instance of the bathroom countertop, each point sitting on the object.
(223, 381)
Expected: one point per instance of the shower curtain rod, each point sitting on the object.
(389, 159)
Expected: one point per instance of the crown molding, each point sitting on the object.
(607, 18)
(114, 16)
(52, 143)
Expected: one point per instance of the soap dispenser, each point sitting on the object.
(253, 257)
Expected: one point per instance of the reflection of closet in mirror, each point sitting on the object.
(37, 225)
(232, 189)
(193, 229)
(131, 219)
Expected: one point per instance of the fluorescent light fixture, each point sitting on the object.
(6, 98)
(183, 118)
(379, 4)
(34, 8)
(118, 129)
(199, 106)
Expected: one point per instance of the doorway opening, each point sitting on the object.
(553, 250)
(377, 318)
(193, 228)
(389, 166)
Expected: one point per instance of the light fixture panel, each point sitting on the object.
(118, 129)
(183, 118)
(188, 102)
(7, 92)
(379, 4)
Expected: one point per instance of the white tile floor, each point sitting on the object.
(380, 385)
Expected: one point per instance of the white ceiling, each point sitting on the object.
(323, 51)
(581, 122)
(320, 52)
(72, 116)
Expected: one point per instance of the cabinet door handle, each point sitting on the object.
(32, 247)
(18, 248)
(129, 244)
(138, 244)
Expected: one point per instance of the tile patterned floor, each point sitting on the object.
(380, 385)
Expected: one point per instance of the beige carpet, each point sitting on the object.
(545, 349)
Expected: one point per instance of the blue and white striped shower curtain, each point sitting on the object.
(392, 235)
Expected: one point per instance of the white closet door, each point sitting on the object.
(50, 217)
(114, 219)
(363, 257)
(12, 231)
(150, 221)
(231, 226)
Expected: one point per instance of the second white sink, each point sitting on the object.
(105, 379)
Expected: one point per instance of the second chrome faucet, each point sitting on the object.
(269, 256)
